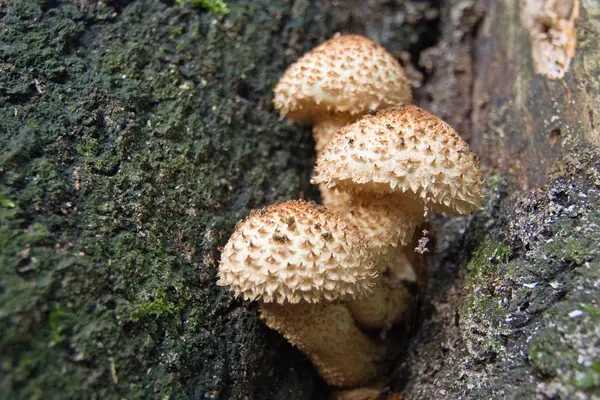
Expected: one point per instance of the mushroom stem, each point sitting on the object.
(325, 129)
(327, 334)
(392, 298)
(388, 224)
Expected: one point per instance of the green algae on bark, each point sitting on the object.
(134, 135)
(214, 6)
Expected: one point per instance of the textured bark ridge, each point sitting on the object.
(135, 134)
(512, 307)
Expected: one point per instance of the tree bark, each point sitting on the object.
(511, 309)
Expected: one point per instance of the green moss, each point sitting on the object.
(594, 311)
(551, 356)
(485, 260)
(487, 307)
(153, 136)
(59, 320)
(494, 181)
(159, 307)
(588, 380)
(481, 313)
(568, 248)
(35, 233)
(89, 148)
(214, 6)
(6, 203)
(544, 355)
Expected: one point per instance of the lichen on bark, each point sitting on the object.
(519, 316)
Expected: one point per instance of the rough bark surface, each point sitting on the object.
(512, 308)
(135, 134)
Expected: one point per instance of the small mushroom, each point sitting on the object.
(383, 223)
(413, 161)
(324, 130)
(339, 81)
(394, 297)
(301, 282)
(408, 154)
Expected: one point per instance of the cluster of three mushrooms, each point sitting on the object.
(312, 268)
(332, 86)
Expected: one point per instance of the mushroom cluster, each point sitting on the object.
(324, 274)
(300, 261)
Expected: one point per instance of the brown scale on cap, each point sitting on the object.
(300, 260)
(404, 151)
(296, 251)
(348, 74)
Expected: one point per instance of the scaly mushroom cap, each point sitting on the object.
(334, 198)
(296, 251)
(346, 74)
(408, 151)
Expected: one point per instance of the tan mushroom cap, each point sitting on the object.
(346, 74)
(334, 198)
(296, 251)
(404, 150)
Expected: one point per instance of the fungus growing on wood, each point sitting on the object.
(551, 27)
(387, 231)
(347, 74)
(397, 165)
(408, 153)
(378, 217)
(337, 82)
(393, 297)
(324, 130)
(300, 261)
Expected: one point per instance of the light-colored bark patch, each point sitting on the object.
(551, 26)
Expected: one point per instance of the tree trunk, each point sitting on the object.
(135, 134)
(512, 307)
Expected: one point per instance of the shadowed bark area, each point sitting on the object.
(135, 134)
